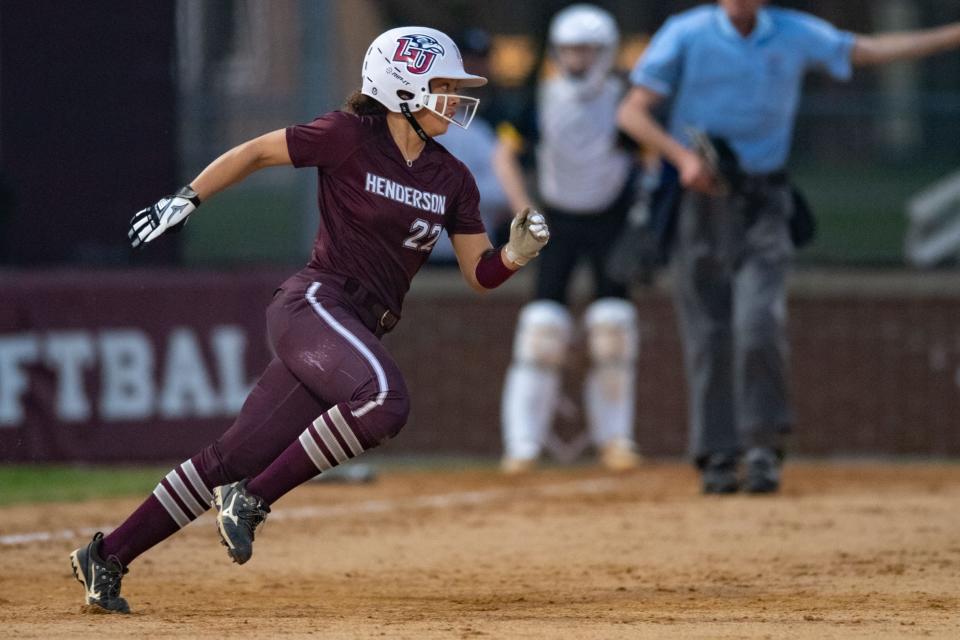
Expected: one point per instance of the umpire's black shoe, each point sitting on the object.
(239, 513)
(762, 470)
(719, 474)
(100, 578)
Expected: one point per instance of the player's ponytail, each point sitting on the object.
(363, 105)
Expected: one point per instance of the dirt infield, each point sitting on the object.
(847, 551)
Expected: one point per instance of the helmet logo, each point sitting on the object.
(418, 52)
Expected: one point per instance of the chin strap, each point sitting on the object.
(405, 110)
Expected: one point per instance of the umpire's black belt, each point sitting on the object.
(385, 319)
(750, 182)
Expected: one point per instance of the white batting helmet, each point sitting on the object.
(400, 64)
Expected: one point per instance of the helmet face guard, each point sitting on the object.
(458, 110)
(400, 64)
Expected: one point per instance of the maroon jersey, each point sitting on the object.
(379, 217)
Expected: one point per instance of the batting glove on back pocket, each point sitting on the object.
(528, 234)
(168, 214)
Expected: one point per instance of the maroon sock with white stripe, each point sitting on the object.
(329, 441)
(177, 501)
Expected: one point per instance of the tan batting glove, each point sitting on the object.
(528, 234)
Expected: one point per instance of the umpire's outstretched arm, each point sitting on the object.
(881, 48)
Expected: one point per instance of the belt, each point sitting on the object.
(385, 319)
(751, 181)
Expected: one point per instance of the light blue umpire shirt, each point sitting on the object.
(744, 89)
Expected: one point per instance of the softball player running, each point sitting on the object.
(584, 180)
(386, 192)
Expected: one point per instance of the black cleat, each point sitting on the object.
(763, 470)
(239, 513)
(719, 474)
(100, 578)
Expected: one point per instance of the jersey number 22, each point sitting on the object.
(422, 235)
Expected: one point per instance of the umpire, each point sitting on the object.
(734, 71)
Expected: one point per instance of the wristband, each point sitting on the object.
(491, 272)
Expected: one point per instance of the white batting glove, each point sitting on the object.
(168, 214)
(528, 235)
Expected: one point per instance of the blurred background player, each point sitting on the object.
(475, 146)
(386, 191)
(734, 71)
(584, 178)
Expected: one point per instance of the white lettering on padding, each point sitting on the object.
(15, 353)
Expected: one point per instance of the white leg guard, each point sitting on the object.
(609, 394)
(533, 381)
